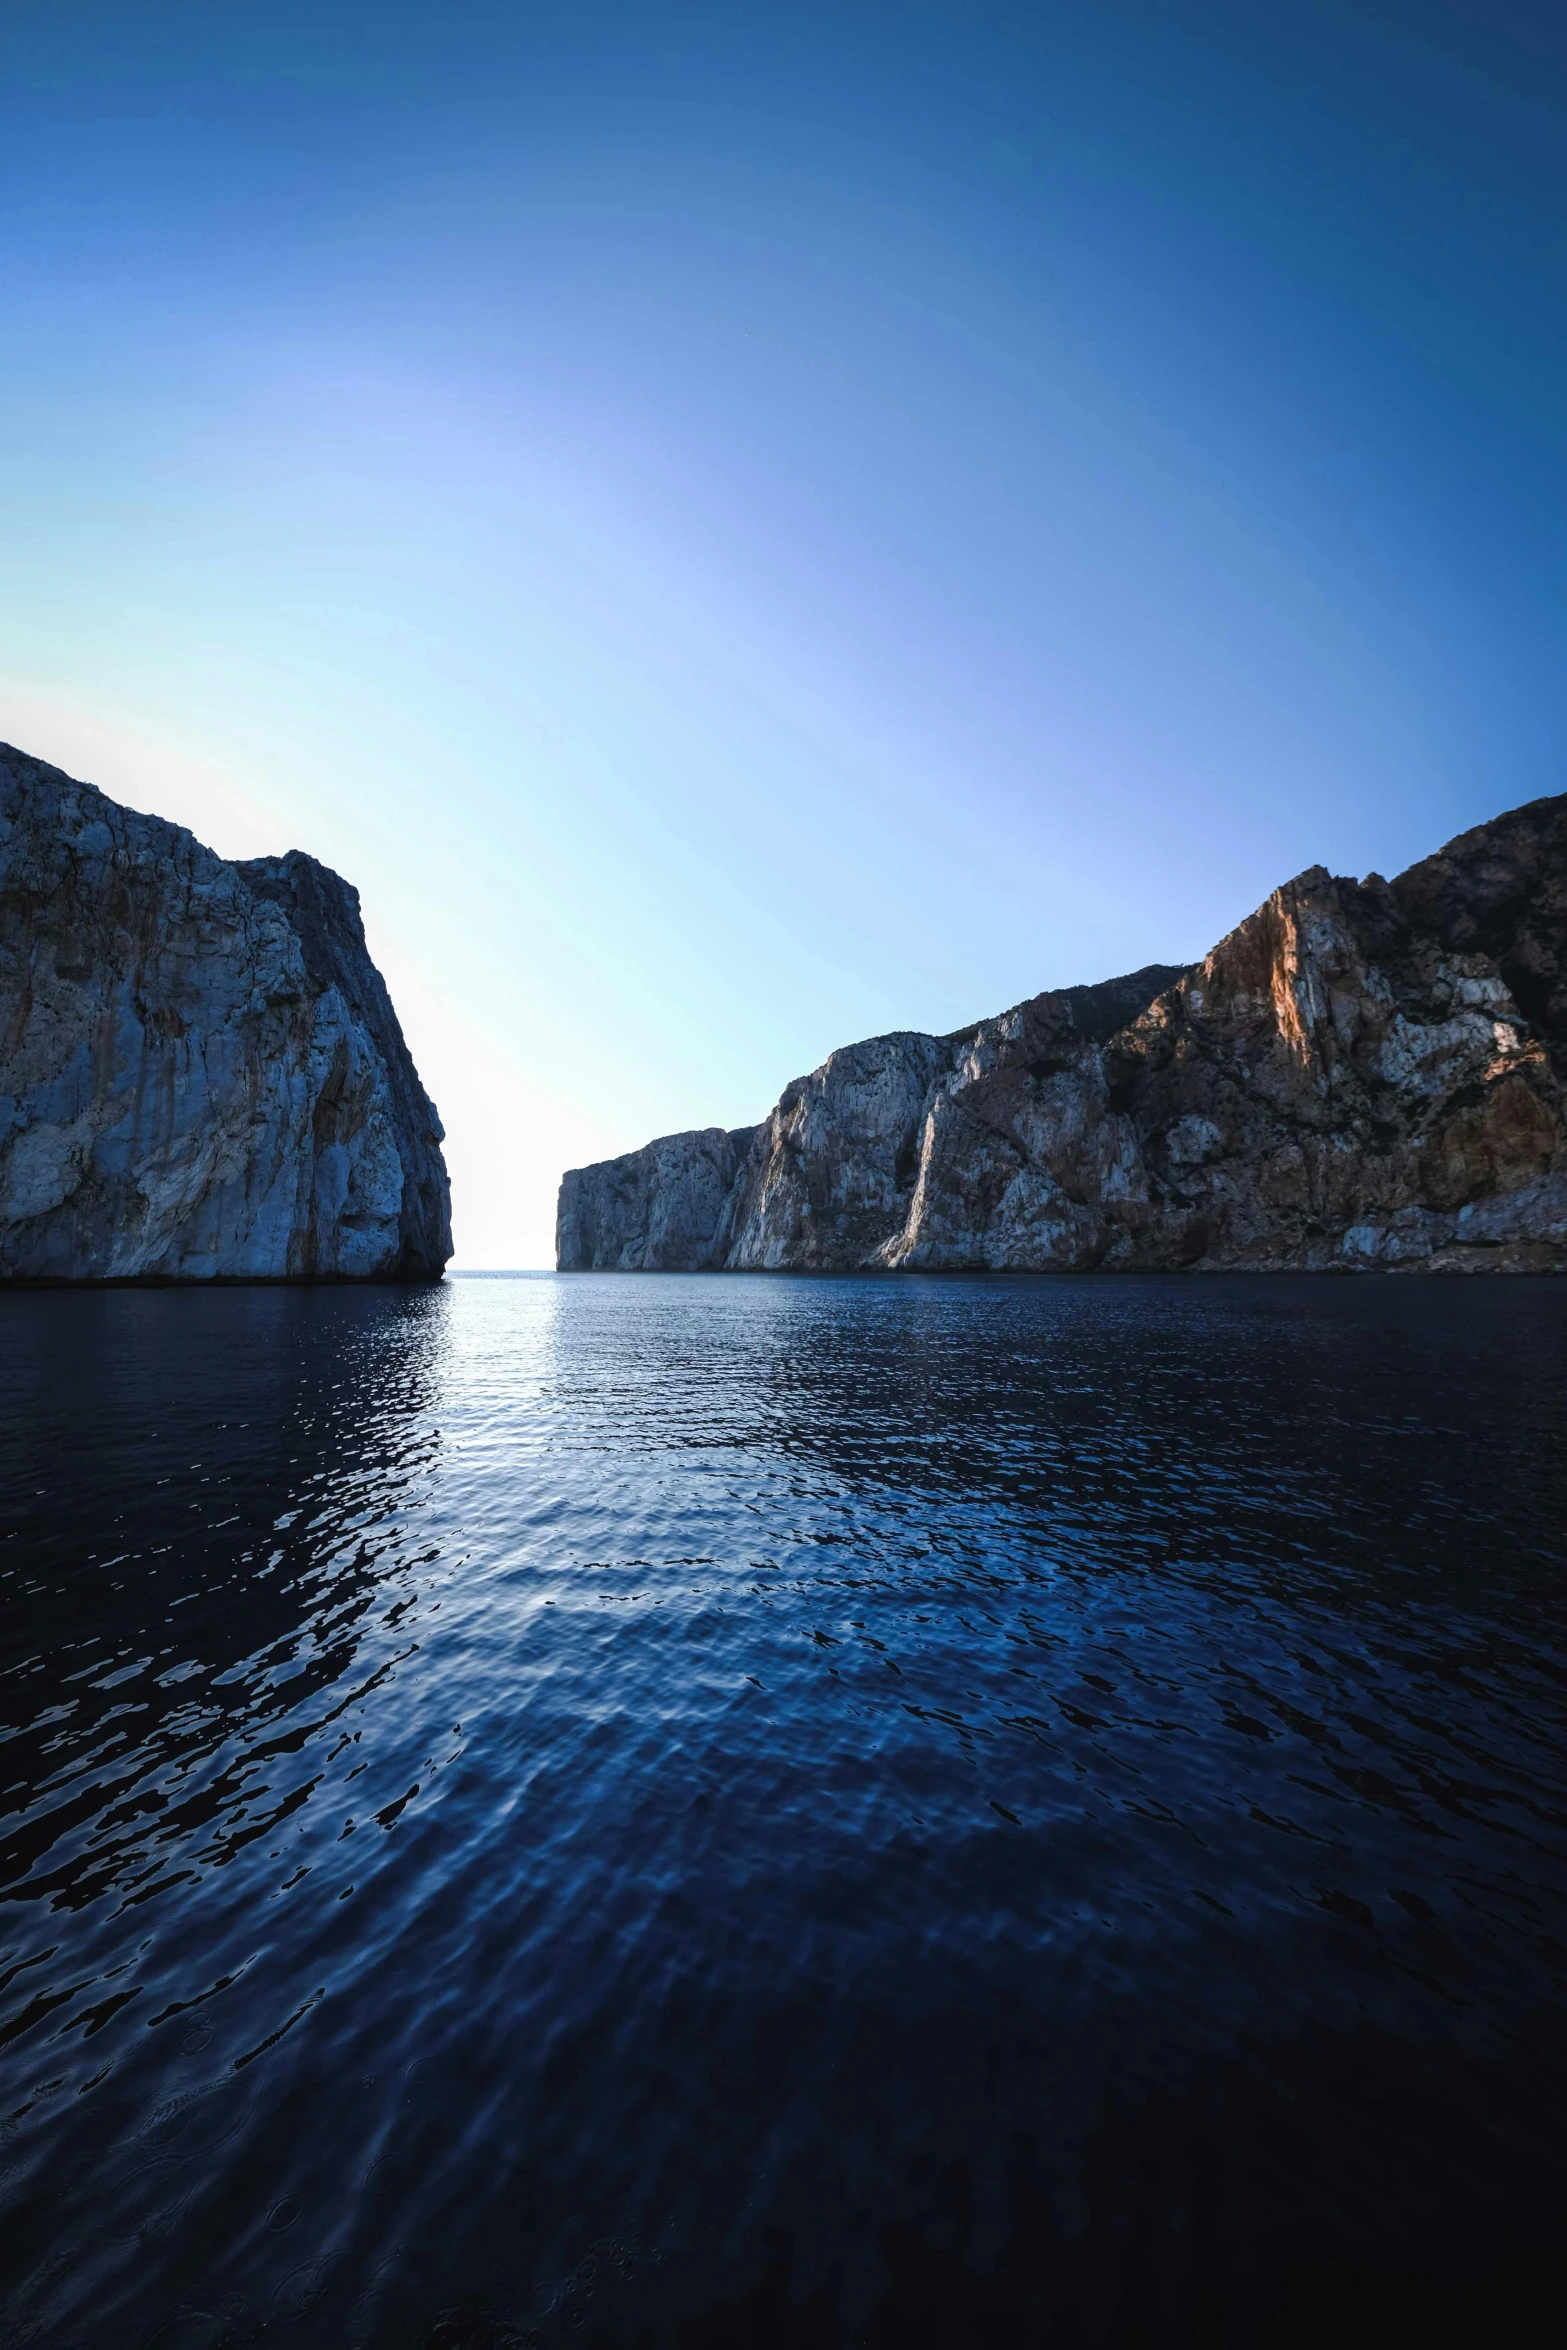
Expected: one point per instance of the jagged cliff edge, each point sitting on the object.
(1364, 1075)
(201, 1073)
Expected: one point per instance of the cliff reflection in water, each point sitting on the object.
(782, 1811)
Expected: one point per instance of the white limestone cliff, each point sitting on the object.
(1364, 1074)
(201, 1073)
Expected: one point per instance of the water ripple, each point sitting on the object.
(781, 1811)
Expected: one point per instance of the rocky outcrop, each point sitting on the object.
(1363, 1075)
(201, 1074)
(657, 1210)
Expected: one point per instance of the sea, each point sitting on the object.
(768, 1813)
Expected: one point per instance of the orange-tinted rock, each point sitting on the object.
(1363, 1074)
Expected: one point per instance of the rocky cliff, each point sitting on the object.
(201, 1074)
(1364, 1074)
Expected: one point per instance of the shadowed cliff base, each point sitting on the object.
(202, 1077)
(1364, 1076)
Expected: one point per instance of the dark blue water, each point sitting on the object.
(770, 1812)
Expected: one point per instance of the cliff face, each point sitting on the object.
(1364, 1074)
(659, 1210)
(201, 1073)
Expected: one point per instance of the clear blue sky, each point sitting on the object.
(743, 527)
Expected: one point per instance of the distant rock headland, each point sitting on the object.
(1365, 1075)
(201, 1074)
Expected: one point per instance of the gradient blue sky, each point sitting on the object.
(743, 527)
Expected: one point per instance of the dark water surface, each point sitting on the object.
(782, 1812)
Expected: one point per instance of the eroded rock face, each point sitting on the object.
(657, 1210)
(1363, 1075)
(201, 1073)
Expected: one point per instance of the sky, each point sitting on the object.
(741, 528)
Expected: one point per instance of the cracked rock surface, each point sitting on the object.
(1364, 1075)
(201, 1073)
